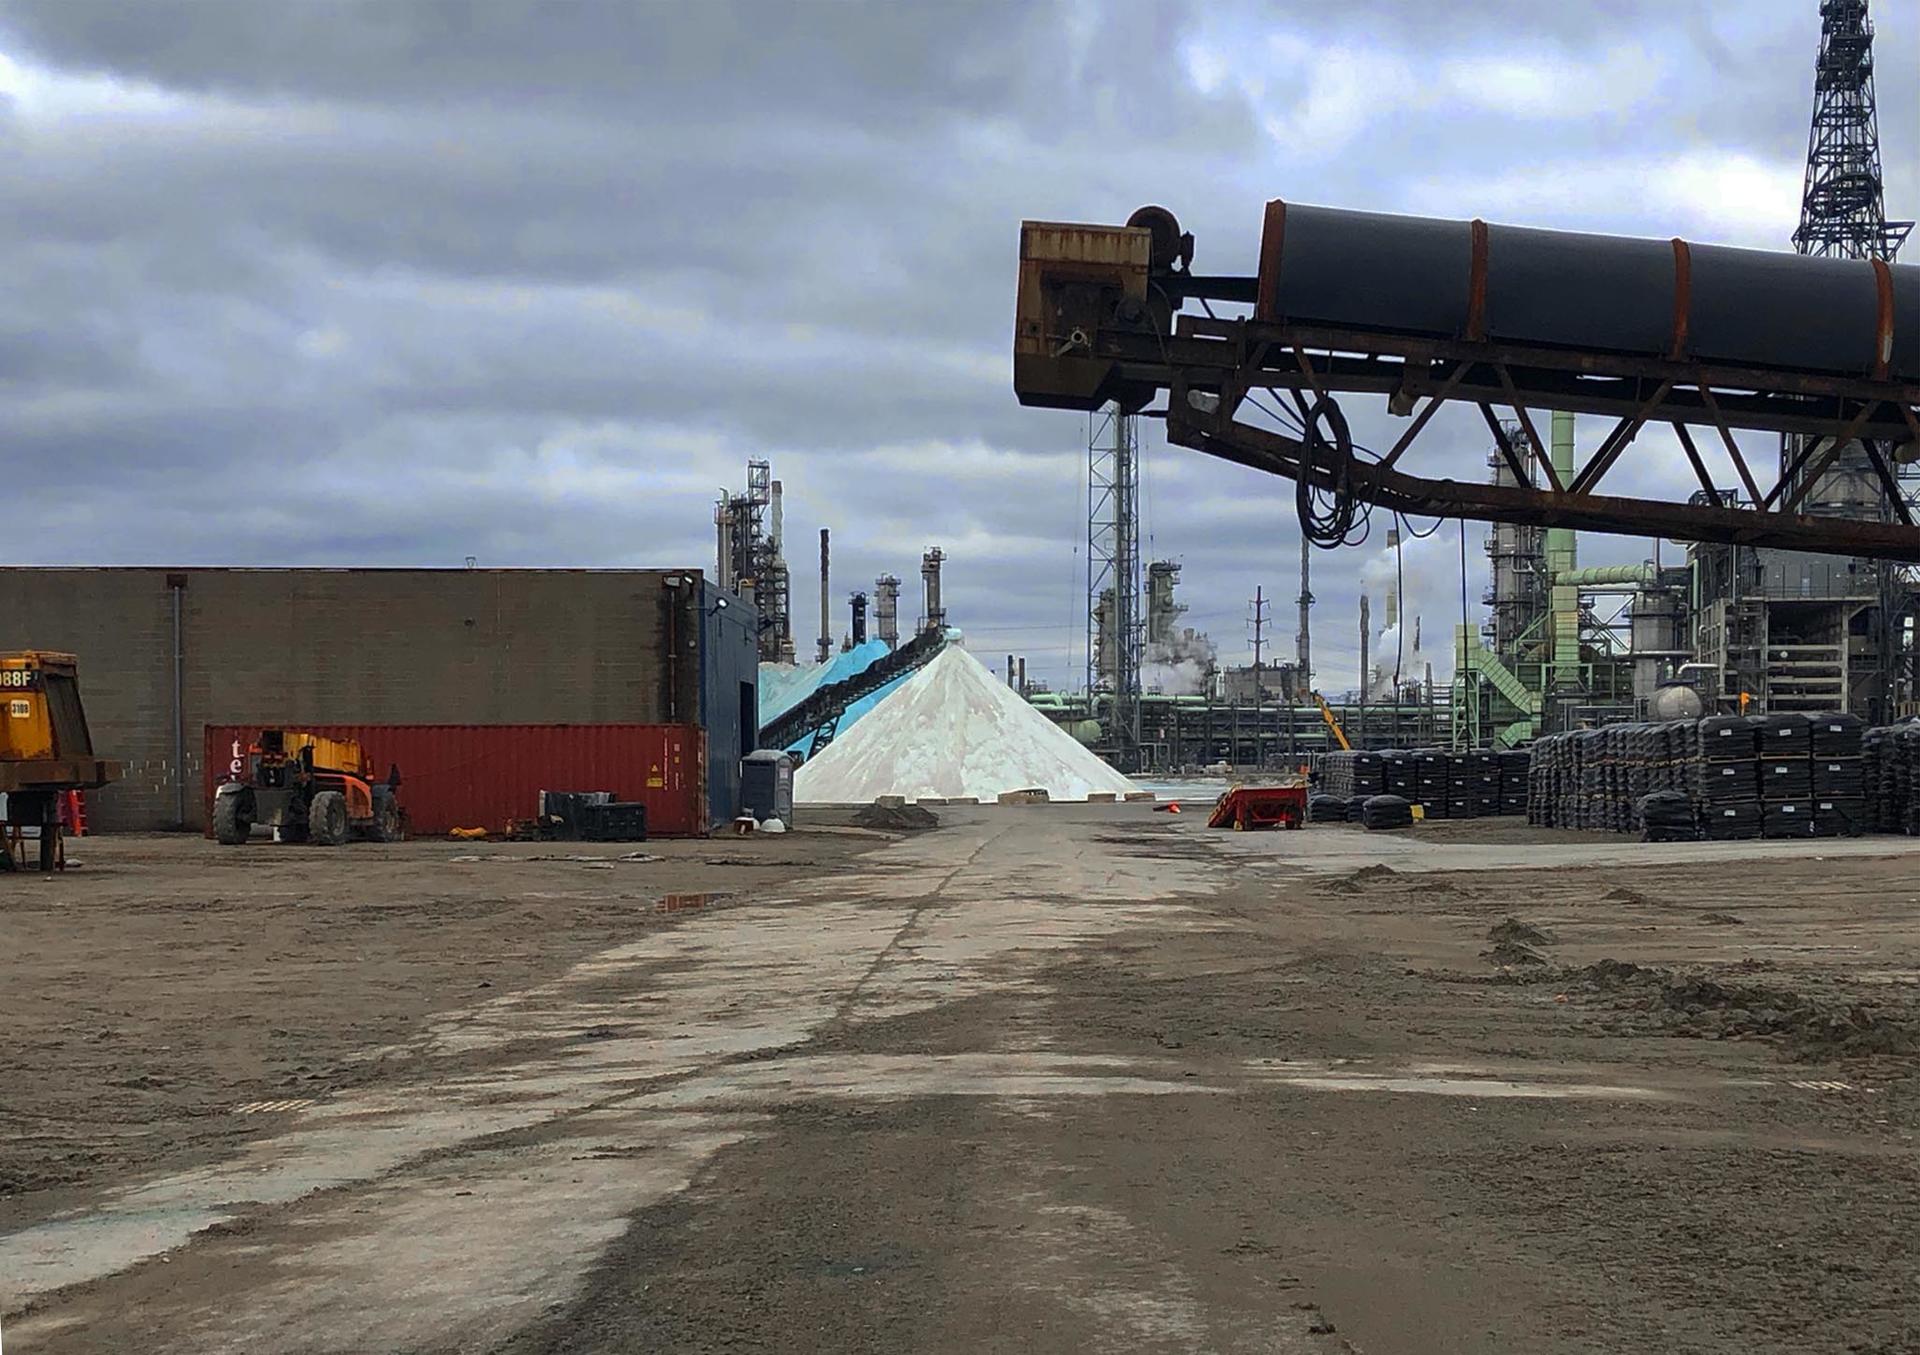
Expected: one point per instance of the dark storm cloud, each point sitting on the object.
(405, 282)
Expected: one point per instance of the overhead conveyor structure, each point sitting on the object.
(816, 720)
(1506, 319)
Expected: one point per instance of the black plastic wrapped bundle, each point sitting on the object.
(1784, 734)
(1785, 778)
(1726, 738)
(1839, 816)
(1845, 777)
(1388, 811)
(1786, 818)
(1326, 809)
(1726, 782)
(1666, 816)
(1900, 803)
(1730, 822)
(1356, 809)
(1836, 734)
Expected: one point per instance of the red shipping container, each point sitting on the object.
(480, 776)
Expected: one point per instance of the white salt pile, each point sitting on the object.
(953, 730)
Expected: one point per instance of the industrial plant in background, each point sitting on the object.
(1792, 597)
(1736, 627)
(749, 562)
(1808, 632)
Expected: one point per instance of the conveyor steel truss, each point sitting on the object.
(816, 720)
(1098, 320)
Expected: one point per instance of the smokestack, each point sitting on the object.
(1393, 589)
(776, 532)
(1305, 637)
(934, 616)
(1366, 630)
(1009, 670)
(723, 530)
(826, 640)
(1023, 675)
(886, 609)
(858, 630)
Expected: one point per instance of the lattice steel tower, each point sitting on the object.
(1113, 574)
(1843, 209)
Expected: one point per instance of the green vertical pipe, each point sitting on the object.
(1561, 547)
(1562, 556)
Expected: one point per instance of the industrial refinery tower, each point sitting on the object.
(749, 560)
(1798, 631)
(1843, 209)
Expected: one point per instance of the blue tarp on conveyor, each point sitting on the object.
(784, 686)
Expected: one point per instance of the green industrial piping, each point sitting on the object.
(1564, 598)
(1609, 576)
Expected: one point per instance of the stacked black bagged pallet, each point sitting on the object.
(1726, 781)
(1352, 774)
(1897, 811)
(1399, 770)
(1873, 778)
(1433, 769)
(1473, 786)
(1515, 765)
(1836, 748)
(1786, 774)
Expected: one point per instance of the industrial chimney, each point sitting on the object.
(857, 631)
(1366, 631)
(934, 615)
(826, 640)
(886, 609)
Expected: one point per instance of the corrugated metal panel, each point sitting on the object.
(480, 776)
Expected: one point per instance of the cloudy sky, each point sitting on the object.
(389, 282)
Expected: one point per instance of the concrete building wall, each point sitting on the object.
(349, 646)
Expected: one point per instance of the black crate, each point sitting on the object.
(614, 821)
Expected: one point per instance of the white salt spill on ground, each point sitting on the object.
(954, 730)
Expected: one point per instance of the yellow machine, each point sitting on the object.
(307, 788)
(1326, 713)
(45, 749)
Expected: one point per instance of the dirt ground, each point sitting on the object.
(168, 983)
(1058, 1079)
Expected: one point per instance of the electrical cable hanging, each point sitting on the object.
(1327, 516)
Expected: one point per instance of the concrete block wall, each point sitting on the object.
(348, 646)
